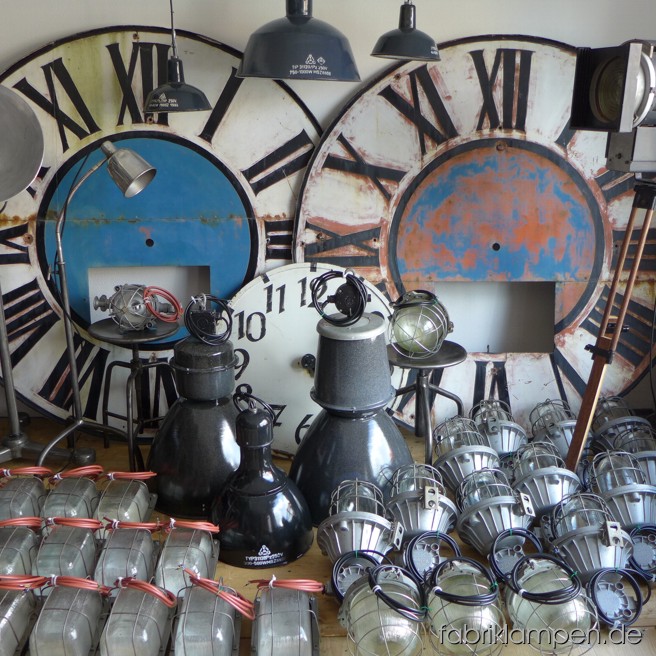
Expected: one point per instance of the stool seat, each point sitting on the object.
(448, 355)
(108, 331)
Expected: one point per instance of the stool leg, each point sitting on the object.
(423, 426)
(449, 395)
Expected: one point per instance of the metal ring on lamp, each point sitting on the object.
(628, 575)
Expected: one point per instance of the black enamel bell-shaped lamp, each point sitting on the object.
(264, 519)
(195, 450)
(352, 437)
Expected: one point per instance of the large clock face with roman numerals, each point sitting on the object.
(466, 170)
(223, 197)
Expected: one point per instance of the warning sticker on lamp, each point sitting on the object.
(312, 67)
(264, 558)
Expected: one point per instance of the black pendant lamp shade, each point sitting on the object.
(407, 42)
(299, 47)
(176, 95)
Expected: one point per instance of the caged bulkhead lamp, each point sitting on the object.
(407, 42)
(175, 95)
(298, 47)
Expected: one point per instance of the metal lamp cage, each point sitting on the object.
(545, 599)
(611, 418)
(465, 615)
(553, 421)
(357, 521)
(618, 478)
(383, 613)
(494, 419)
(462, 453)
(641, 442)
(585, 534)
(285, 623)
(419, 325)
(418, 500)
(489, 505)
(205, 624)
(540, 472)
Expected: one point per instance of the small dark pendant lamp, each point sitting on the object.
(407, 42)
(299, 47)
(176, 95)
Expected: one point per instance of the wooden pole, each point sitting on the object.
(607, 339)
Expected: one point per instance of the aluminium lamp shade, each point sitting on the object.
(407, 42)
(299, 47)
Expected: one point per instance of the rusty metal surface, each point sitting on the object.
(466, 170)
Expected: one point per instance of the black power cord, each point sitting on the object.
(549, 597)
(201, 320)
(481, 599)
(510, 532)
(350, 299)
(414, 614)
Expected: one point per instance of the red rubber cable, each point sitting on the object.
(151, 292)
(305, 585)
(237, 601)
(165, 596)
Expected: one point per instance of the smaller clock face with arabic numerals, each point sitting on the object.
(466, 170)
(223, 197)
(275, 330)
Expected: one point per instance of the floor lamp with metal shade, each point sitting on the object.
(132, 174)
(21, 154)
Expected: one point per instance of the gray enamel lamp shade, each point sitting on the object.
(299, 47)
(407, 42)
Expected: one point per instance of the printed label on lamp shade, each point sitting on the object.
(311, 66)
(264, 557)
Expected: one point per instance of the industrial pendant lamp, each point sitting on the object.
(407, 42)
(299, 47)
(176, 95)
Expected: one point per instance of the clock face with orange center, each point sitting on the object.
(466, 170)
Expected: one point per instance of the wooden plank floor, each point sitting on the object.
(313, 565)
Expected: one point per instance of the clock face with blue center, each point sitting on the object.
(223, 197)
(466, 171)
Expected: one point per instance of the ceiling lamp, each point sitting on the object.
(299, 47)
(176, 95)
(407, 42)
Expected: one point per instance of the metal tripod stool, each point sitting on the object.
(108, 330)
(449, 354)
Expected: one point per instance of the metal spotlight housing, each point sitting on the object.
(488, 505)
(460, 449)
(494, 420)
(418, 501)
(617, 478)
(553, 421)
(584, 533)
(357, 522)
(541, 474)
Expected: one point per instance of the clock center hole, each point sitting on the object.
(496, 246)
(150, 242)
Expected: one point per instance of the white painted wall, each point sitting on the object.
(26, 25)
